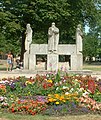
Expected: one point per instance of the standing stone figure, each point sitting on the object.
(53, 38)
(79, 35)
(28, 39)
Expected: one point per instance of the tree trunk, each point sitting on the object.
(22, 46)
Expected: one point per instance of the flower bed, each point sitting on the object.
(61, 93)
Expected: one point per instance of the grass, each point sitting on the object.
(85, 67)
(92, 67)
(8, 116)
(3, 68)
(2, 65)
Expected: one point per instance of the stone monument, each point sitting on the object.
(53, 38)
(52, 50)
(79, 35)
(28, 41)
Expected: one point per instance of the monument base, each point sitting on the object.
(52, 62)
(26, 60)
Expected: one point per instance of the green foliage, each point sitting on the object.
(40, 38)
(58, 77)
(96, 96)
(90, 45)
(25, 88)
(15, 14)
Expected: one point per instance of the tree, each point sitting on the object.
(9, 29)
(67, 14)
(92, 40)
(90, 46)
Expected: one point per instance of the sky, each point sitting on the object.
(86, 29)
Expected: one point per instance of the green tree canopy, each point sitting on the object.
(92, 41)
(67, 14)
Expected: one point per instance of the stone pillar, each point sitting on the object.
(74, 62)
(26, 60)
(79, 61)
(52, 62)
(32, 62)
(63, 66)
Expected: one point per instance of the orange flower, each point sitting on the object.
(57, 96)
(62, 98)
(13, 105)
(2, 86)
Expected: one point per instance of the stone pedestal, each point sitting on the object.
(76, 59)
(52, 62)
(63, 66)
(74, 62)
(26, 60)
(32, 62)
(79, 61)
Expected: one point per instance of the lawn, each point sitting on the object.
(86, 66)
(5, 116)
(2, 65)
(92, 67)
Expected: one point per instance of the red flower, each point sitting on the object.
(45, 86)
(13, 110)
(27, 107)
(91, 86)
(19, 102)
(33, 113)
(50, 84)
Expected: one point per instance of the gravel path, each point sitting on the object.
(14, 74)
(28, 74)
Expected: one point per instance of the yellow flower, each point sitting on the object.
(49, 95)
(64, 100)
(50, 100)
(74, 94)
(69, 95)
(28, 82)
(57, 96)
(68, 98)
(54, 99)
(76, 98)
(50, 81)
(62, 97)
(56, 103)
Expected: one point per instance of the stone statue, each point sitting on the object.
(28, 39)
(79, 35)
(53, 38)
